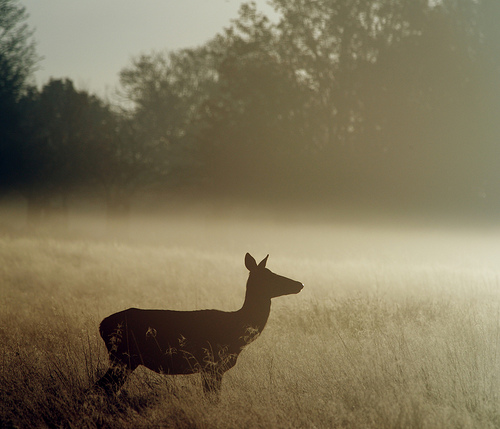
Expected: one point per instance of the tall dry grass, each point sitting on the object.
(378, 338)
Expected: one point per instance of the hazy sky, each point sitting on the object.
(90, 41)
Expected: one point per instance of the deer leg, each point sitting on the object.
(113, 380)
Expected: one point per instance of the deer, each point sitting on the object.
(206, 342)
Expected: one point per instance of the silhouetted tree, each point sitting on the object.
(120, 164)
(422, 107)
(65, 132)
(254, 124)
(18, 59)
(380, 99)
(487, 99)
(166, 91)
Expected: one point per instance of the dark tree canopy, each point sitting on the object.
(393, 102)
(18, 59)
(64, 135)
(341, 100)
(18, 56)
(359, 100)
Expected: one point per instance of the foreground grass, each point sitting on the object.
(364, 345)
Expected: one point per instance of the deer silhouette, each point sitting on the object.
(187, 342)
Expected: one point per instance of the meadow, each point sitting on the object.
(397, 327)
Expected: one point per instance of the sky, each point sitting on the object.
(90, 41)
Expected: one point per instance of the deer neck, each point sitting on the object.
(255, 310)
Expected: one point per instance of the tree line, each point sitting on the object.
(393, 102)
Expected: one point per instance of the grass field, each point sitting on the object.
(395, 328)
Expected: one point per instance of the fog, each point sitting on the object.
(311, 235)
(325, 126)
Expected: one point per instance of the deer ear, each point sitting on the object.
(250, 262)
(262, 263)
